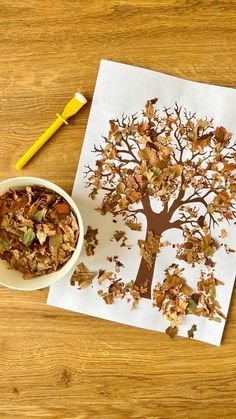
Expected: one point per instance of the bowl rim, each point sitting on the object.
(69, 266)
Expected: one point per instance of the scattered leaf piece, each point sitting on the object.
(91, 240)
(191, 331)
(134, 226)
(172, 331)
(118, 235)
(82, 276)
(116, 261)
(108, 299)
(105, 276)
(149, 247)
(223, 233)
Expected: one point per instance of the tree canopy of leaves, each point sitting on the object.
(173, 157)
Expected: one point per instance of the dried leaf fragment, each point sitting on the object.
(91, 240)
(118, 235)
(134, 226)
(172, 331)
(104, 275)
(116, 261)
(191, 331)
(63, 208)
(39, 215)
(223, 233)
(82, 276)
(28, 237)
(150, 247)
(108, 299)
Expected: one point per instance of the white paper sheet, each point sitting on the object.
(123, 89)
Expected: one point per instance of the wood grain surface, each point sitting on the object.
(57, 364)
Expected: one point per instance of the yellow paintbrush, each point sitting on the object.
(71, 108)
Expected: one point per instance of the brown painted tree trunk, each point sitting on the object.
(158, 223)
(145, 273)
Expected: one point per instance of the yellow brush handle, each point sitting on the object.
(41, 141)
(73, 106)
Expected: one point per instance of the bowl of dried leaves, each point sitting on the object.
(41, 233)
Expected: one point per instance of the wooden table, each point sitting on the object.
(57, 364)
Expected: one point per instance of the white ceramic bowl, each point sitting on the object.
(14, 279)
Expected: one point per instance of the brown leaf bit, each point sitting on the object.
(135, 293)
(38, 230)
(134, 226)
(150, 247)
(150, 111)
(82, 277)
(115, 290)
(172, 331)
(63, 208)
(108, 299)
(116, 261)
(104, 275)
(120, 236)
(191, 331)
(223, 233)
(91, 240)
